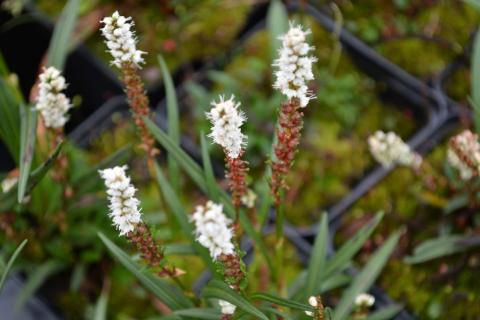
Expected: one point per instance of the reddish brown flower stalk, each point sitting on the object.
(236, 173)
(233, 270)
(151, 253)
(289, 128)
(139, 104)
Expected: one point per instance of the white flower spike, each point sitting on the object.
(389, 149)
(121, 40)
(212, 229)
(123, 206)
(295, 65)
(226, 119)
(51, 102)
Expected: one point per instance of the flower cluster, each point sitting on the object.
(364, 300)
(226, 121)
(464, 154)
(213, 230)
(389, 149)
(51, 102)
(465, 172)
(226, 307)
(121, 40)
(295, 65)
(123, 204)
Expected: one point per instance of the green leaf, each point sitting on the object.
(281, 301)
(28, 128)
(85, 182)
(59, 44)
(10, 118)
(475, 83)
(277, 24)
(442, 246)
(36, 279)
(187, 163)
(318, 259)
(180, 216)
(386, 313)
(100, 311)
(167, 293)
(220, 290)
(199, 313)
(365, 278)
(8, 200)
(342, 259)
(172, 117)
(212, 185)
(10, 263)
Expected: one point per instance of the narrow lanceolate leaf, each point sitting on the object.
(365, 278)
(36, 279)
(219, 290)
(59, 44)
(28, 128)
(183, 159)
(82, 184)
(342, 259)
(199, 313)
(8, 200)
(172, 119)
(173, 203)
(442, 246)
(277, 24)
(10, 119)
(385, 313)
(281, 301)
(10, 263)
(212, 185)
(167, 293)
(475, 83)
(100, 311)
(316, 267)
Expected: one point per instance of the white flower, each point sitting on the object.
(294, 65)
(364, 300)
(121, 194)
(51, 102)
(465, 172)
(465, 154)
(248, 199)
(389, 149)
(227, 307)
(212, 229)
(313, 301)
(120, 40)
(8, 183)
(226, 121)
